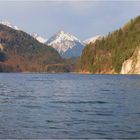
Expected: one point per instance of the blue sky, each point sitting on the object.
(84, 19)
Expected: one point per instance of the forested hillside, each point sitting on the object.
(107, 54)
(21, 52)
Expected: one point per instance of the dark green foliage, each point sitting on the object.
(110, 52)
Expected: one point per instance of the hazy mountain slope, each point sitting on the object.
(66, 44)
(108, 54)
(38, 38)
(92, 39)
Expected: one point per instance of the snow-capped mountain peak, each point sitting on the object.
(39, 38)
(64, 42)
(61, 35)
(9, 25)
(92, 39)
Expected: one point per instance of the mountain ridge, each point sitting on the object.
(92, 39)
(38, 37)
(9, 24)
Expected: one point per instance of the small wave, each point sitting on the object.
(80, 102)
(106, 90)
(104, 114)
(31, 106)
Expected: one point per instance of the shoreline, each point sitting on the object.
(80, 73)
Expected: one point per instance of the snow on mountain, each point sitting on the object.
(92, 39)
(9, 25)
(35, 35)
(39, 38)
(66, 44)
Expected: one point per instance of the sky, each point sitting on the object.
(84, 19)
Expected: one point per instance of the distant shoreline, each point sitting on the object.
(80, 73)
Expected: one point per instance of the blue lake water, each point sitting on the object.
(69, 106)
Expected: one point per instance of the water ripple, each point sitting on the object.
(69, 106)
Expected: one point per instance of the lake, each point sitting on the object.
(69, 106)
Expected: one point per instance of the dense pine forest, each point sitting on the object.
(107, 54)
